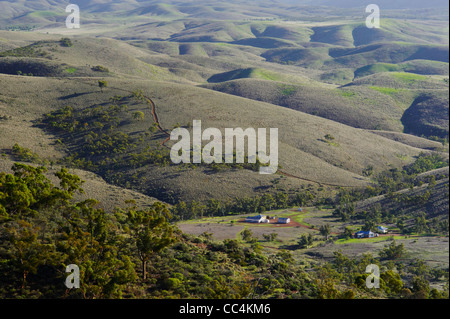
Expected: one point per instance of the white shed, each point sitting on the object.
(283, 220)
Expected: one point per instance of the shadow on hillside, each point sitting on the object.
(70, 96)
(290, 247)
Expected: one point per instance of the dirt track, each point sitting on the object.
(308, 180)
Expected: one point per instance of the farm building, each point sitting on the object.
(365, 234)
(282, 220)
(256, 219)
(382, 230)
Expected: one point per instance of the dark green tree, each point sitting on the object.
(247, 235)
(151, 232)
(305, 240)
(393, 251)
(102, 84)
(325, 230)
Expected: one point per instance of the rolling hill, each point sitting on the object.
(362, 122)
(303, 151)
(307, 79)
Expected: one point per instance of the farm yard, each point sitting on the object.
(229, 227)
(307, 221)
(433, 250)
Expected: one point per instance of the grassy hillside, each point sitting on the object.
(355, 106)
(435, 207)
(415, 66)
(130, 67)
(341, 164)
(109, 196)
(362, 119)
(424, 116)
(189, 45)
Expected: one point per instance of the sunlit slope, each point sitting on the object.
(359, 107)
(303, 150)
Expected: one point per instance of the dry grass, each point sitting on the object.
(294, 75)
(165, 71)
(301, 151)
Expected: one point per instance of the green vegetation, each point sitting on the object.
(256, 73)
(71, 70)
(325, 231)
(388, 91)
(45, 231)
(20, 27)
(138, 115)
(66, 42)
(30, 51)
(99, 68)
(258, 204)
(25, 154)
(426, 162)
(136, 253)
(288, 89)
(338, 76)
(377, 68)
(346, 93)
(354, 165)
(44, 14)
(99, 144)
(409, 77)
(102, 84)
(330, 139)
(305, 241)
(404, 208)
(388, 182)
(98, 128)
(393, 251)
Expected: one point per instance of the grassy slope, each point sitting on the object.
(437, 206)
(357, 106)
(324, 59)
(302, 151)
(367, 105)
(222, 62)
(166, 71)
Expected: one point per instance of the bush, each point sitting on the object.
(65, 42)
(138, 115)
(25, 154)
(99, 68)
(392, 251)
(102, 84)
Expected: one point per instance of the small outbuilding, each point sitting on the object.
(256, 219)
(283, 220)
(365, 234)
(382, 230)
